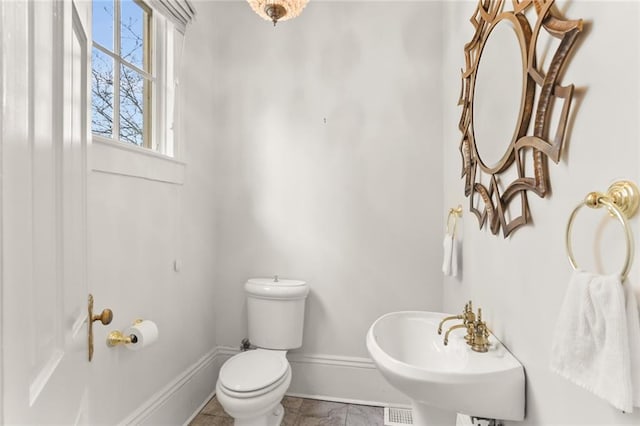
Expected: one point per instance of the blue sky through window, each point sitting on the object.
(131, 33)
(103, 17)
(131, 83)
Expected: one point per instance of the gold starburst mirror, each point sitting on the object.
(514, 107)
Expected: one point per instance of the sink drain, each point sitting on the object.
(397, 416)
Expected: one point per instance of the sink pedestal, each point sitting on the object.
(426, 415)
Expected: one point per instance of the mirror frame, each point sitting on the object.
(531, 145)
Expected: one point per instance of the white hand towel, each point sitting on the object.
(455, 247)
(447, 245)
(591, 347)
(633, 328)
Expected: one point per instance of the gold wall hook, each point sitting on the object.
(456, 210)
(455, 213)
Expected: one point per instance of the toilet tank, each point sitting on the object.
(275, 309)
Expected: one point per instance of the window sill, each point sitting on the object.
(107, 156)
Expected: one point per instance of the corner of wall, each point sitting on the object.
(182, 398)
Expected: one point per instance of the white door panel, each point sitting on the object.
(44, 137)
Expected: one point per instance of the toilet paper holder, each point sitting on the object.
(117, 337)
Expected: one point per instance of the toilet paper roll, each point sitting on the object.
(143, 333)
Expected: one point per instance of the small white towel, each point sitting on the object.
(450, 255)
(591, 344)
(633, 328)
(455, 247)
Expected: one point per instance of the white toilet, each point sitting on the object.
(251, 384)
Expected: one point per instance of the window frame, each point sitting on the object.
(157, 126)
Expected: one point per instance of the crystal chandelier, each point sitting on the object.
(278, 10)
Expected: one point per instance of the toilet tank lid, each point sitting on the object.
(268, 288)
(272, 282)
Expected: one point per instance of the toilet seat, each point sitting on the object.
(259, 392)
(253, 373)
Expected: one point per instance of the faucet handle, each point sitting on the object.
(480, 340)
(469, 316)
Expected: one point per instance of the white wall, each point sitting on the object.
(139, 226)
(328, 163)
(520, 282)
(354, 205)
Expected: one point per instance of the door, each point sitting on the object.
(44, 132)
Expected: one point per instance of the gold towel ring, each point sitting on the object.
(621, 200)
(455, 213)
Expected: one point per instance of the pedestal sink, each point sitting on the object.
(444, 380)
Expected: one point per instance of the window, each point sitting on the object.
(127, 76)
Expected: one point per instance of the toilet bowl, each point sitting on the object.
(251, 384)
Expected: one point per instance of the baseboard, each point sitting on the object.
(335, 378)
(200, 407)
(181, 398)
(326, 377)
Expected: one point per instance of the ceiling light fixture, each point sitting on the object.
(278, 10)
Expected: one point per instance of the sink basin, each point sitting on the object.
(444, 380)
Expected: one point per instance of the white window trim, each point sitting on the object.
(115, 158)
(163, 161)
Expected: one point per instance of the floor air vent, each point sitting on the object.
(397, 416)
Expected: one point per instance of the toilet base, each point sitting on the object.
(261, 410)
(273, 418)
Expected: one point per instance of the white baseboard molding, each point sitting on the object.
(181, 398)
(325, 377)
(335, 378)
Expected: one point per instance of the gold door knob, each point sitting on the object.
(105, 316)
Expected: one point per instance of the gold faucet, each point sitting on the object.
(480, 340)
(460, 317)
(464, 316)
(446, 335)
(469, 321)
(477, 331)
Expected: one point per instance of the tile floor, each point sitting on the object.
(302, 412)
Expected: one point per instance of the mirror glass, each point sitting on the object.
(497, 94)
